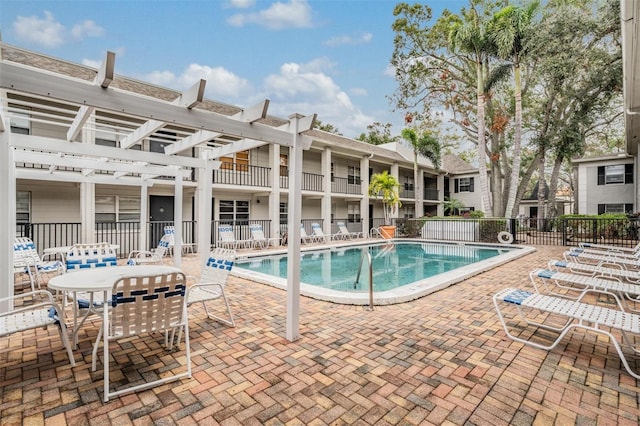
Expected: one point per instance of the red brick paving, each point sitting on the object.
(442, 359)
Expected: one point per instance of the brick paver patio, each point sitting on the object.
(442, 359)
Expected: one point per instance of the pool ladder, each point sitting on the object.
(366, 255)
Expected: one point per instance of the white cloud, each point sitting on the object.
(294, 14)
(349, 40)
(87, 28)
(43, 31)
(222, 84)
(358, 91)
(240, 4)
(299, 89)
(390, 71)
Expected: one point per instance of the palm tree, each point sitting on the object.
(425, 145)
(385, 186)
(452, 205)
(470, 36)
(508, 29)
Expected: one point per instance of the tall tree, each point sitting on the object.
(378, 134)
(509, 30)
(470, 35)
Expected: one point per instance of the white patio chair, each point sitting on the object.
(228, 238)
(344, 233)
(606, 247)
(573, 314)
(601, 252)
(319, 234)
(142, 305)
(211, 284)
(150, 257)
(258, 239)
(170, 232)
(304, 237)
(26, 257)
(29, 316)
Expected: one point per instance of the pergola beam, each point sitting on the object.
(254, 113)
(55, 86)
(144, 131)
(106, 71)
(84, 113)
(193, 96)
(232, 148)
(201, 136)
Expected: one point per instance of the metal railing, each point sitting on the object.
(346, 186)
(431, 194)
(242, 174)
(310, 181)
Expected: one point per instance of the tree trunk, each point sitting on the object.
(541, 197)
(553, 186)
(515, 168)
(482, 149)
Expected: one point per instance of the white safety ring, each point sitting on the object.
(505, 237)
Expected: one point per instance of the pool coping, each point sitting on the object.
(402, 294)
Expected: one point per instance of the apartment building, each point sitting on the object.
(157, 159)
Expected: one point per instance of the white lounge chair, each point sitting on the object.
(344, 233)
(170, 232)
(574, 313)
(595, 270)
(607, 247)
(150, 257)
(258, 239)
(227, 238)
(304, 237)
(43, 313)
(600, 252)
(606, 259)
(319, 234)
(142, 305)
(211, 284)
(620, 291)
(26, 259)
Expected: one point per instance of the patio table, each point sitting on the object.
(61, 251)
(97, 280)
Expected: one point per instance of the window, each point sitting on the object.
(408, 183)
(284, 165)
(23, 206)
(20, 122)
(333, 169)
(615, 174)
(353, 175)
(284, 213)
(463, 185)
(161, 139)
(239, 162)
(353, 212)
(615, 208)
(408, 212)
(106, 138)
(232, 211)
(115, 208)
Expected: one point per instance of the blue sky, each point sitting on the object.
(327, 57)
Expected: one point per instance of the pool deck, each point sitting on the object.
(441, 359)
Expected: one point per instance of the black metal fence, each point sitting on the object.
(621, 232)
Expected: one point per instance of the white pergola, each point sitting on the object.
(77, 159)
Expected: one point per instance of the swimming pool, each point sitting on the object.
(402, 270)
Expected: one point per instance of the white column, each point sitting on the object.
(88, 212)
(8, 213)
(274, 196)
(144, 215)
(88, 193)
(295, 219)
(395, 171)
(364, 202)
(419, 208)
(203, 202)
(325, 206)
(177, 217)
(440, 186)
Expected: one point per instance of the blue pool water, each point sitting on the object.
(395, 264)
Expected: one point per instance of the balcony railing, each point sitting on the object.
(242, 174)
(346, 186)
(430, 194)
(310, 181)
